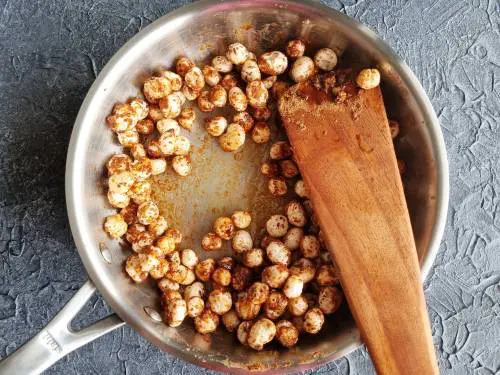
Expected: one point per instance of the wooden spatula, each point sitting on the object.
(342, 144)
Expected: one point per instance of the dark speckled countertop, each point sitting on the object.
(52, 50)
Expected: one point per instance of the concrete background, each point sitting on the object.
(52, 50)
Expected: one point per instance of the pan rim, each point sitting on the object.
(76, 147)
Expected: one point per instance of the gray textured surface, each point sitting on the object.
(51, 52)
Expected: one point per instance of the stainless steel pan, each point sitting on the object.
(222, 182)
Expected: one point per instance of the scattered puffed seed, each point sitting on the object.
(224, 227)
(155, 113)
(242, 241)
(241, 219)
(262, 114)
(231, 320)
(156, 88)
(275, 305)
(181, 145)
(298, 305)
(295, 48)
(293, 286)
(206, 322)
(118, 200)
(182, 165)
(286, 333)
(394, 128)
(158, 226)
(175, 79)
(165, 284)
(158, 166)
(237, 53)
(253, 258)
(257, 94)
(218, 96)
(189, 258)
(325, 59)
(288, 168)
(277, 225)
(222, 276)
(241, 277)
(258, 292)
(229, 81)
(170, 106)
(166, 143)
(280, 150)
(166, 244)
(196, 289)
(138, 151)
(195, 307)
(313, 320)
(140, 192)
(189, 93)
(309, 246)
(233, 138)
(368, 79)
(262, 332)
(292, 238)
(242, 332)
(186, 118)
(129, 213)
(128, 138)
(237, 99)
(273, 63)
(121, 182)
(175, 234)
(154, 149)
(220, 301)
(204, 103)
(211, 242)
(275, 275)
(277, 186)
(222, 64)
(145, 126)
(250, 71)
(269, 169)
(246, 308)
(212, 76)
(115, 226)
(327, 275)
(216, 126)
(296, 214)
(143, 240)
(278, 253)
(245, 120)
(183, 66)
(226, 262)
(134, 269)
(118, 163)
(330, 299)
(302, 69)
(204, 269)
(300, 189)
(269, 81)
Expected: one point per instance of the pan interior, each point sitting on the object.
(223, 182)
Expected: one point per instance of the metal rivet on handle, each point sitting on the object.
(106, 254)
(152, 313)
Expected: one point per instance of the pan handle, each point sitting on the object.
(58, 338)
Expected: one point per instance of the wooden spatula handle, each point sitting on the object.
(346, 158)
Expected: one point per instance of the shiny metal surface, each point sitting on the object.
(221, 182)
(58, 339)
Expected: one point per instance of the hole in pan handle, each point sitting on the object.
(57, 339)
